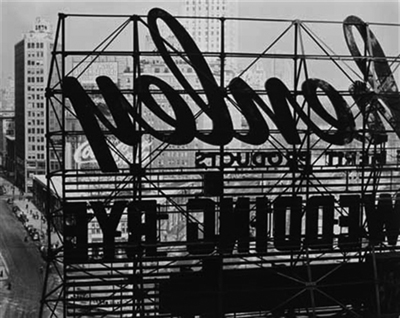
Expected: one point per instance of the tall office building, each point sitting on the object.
(207, 33)
(32, 60)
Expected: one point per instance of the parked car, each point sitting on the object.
(29, 228)
(23, 218)
(35, 235)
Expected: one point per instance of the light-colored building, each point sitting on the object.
(7, 95)
(7, 124)
(32, 60)
(204, 24)
(207, 33)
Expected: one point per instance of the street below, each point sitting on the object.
(21, 297)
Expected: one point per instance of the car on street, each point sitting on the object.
(23, 218)
(35, 235)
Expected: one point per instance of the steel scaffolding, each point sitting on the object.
(269, 251)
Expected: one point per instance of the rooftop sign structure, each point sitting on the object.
(218, 191)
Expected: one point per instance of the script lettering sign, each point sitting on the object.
(281, 110)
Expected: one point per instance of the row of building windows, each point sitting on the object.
(34, 113)
(166, 70)
(31, 45)
(34, 148)
(35, 105)
(37, 96)
(208, 32)
(175, 154)
(54, 166)
(32, 105)
(38, 54)
(36, 130)
(172, 162)
(34, 88)
(35, 167)
(205, 7)
(35, 71)
(95, 228)
(33, 139)
(37, 63)
(39, 79)
(39, 122)
(206, 1)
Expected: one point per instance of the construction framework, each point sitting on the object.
(303, 224)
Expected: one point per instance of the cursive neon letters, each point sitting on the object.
(184, 128)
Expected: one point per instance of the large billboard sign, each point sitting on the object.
(210, 193)
(283, 109)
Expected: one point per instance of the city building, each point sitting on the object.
(7, 123)
(208, 27)
(32, 59)
(207, 32)
(7, 95)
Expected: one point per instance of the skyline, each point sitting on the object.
(18, 17)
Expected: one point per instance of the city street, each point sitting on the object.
(25, 267)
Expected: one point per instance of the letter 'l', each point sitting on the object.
(84, 109)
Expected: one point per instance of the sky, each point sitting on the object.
(18, 17)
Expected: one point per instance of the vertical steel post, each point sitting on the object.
(137, 166)
(48, 209)
(63, 199)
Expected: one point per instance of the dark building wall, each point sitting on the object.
(2, 155)
(10, 156)
(20, 112)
